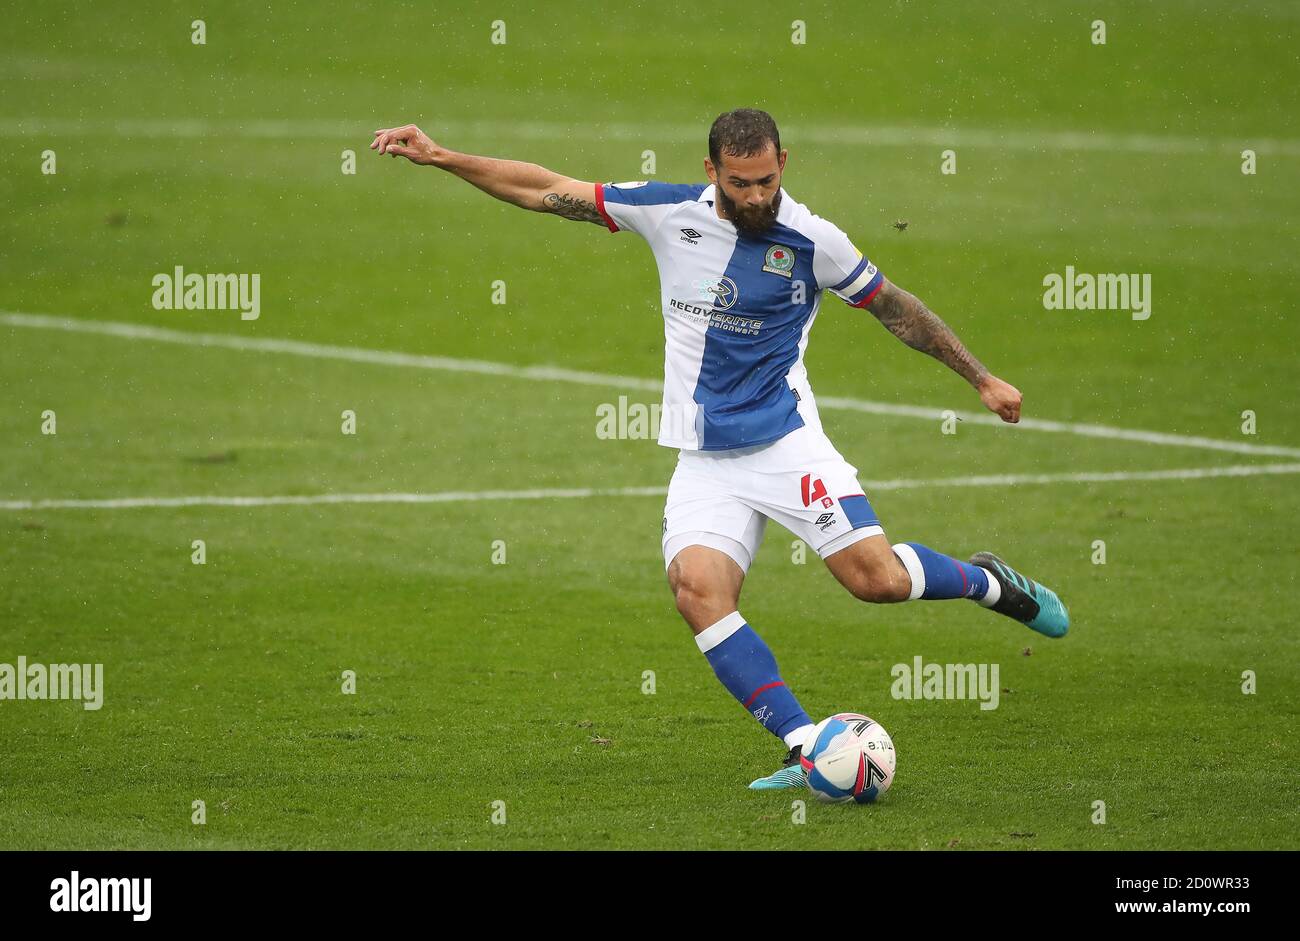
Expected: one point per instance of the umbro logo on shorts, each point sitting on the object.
(826, 521)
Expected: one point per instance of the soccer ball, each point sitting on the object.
(848, 757)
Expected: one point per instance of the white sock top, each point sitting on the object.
(715, 634)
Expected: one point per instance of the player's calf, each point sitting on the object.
(885, 584)
(871, 571)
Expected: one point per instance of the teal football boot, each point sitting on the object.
(1031, 604)
(790, 775)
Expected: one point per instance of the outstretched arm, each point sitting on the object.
(521, 184)
(906, 317)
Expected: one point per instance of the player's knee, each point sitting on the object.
(692, 597)
(698, 598)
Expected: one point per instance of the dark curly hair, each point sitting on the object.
(742, 133)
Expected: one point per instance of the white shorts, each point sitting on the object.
(723, 499)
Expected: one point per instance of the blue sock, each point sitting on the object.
(937, 576)
(745, 666)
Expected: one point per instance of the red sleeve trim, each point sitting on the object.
(600, 207)
(867, 300)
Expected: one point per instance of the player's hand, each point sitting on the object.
(1001, 397)
(407, 141)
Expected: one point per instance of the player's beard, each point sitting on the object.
(750, 221)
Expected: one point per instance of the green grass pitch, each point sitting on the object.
(523, 682)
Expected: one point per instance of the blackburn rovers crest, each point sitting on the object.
(779, 260)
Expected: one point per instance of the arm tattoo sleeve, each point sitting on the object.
(571, 207)
(906, 317)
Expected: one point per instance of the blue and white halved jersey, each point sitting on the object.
(737, 310)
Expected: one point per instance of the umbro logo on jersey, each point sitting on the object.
(689, 236)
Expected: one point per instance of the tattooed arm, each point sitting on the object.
(906, 317)
(521, 184)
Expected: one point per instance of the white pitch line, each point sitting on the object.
(833, 134)
(1087, 477)
(558, 374)
(875, 486)
(133, 503)
(1073, 428)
